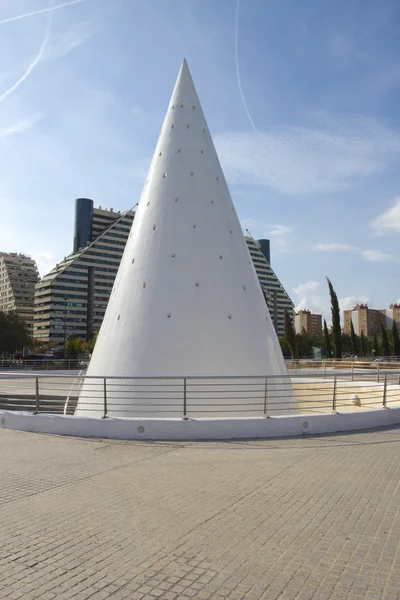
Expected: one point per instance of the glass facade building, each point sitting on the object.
(83, 223)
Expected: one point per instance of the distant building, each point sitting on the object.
(278, 300)
(365, 320)
(311, 323)
(18, 276)
(73, 297)
(392, 314)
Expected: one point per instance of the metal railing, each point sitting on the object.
(355, 367)
(42, 364)
(198, 397)
(69, 364)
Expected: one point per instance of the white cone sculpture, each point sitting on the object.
(186, 300)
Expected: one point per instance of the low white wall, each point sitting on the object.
(198, 429)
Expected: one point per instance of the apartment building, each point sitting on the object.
(392, 314)
(311, 323)
(278, 300)
(73, 297)
(18, 276)
(365, 320)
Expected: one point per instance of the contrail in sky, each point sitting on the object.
(33, 64)
(43, 10)
(238, 71)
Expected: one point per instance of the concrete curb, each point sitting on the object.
(199, 429)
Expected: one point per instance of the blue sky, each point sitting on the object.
(301, 98)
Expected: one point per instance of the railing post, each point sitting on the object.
(325, 369)
(352, 371)
(37, 400)
(184, 399)
(384, 390)
(334, 393)
(378, 371)
(105, 398)
(265, 398)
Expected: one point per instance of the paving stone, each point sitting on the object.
(296, 519)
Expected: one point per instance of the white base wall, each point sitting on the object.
(199, 429)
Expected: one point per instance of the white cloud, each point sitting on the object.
(333, 248)
(351, 301)
(370, 255)
(388, 220)
(376, 256)
(305, 288)
(20, 126)
(247, 223)
(281, 236)
(309, 160)
(65, 43)
(278, 230)
(45, 262)
(321, 304)
(306, 299)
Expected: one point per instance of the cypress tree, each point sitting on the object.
(336, 330)
(396, 339)
(290, 335)
(375, 345)
(327, 341)
(354, 340)
(364, 349)
(385, 341)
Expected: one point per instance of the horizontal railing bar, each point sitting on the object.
(193, 377)
(227, 405)
(113, 410)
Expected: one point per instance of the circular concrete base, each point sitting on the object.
(199, 429)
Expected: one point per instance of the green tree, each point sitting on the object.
(73, 346)
(327, 342)
(290, 335)
(336, 329)
(385, 341)
(13, 333)
(364, 345)
(375, 345)
(284, 347)
(90, 344)
(354, 339)
(346, 343)
(396, 339)
(39, 347)
(303, 345)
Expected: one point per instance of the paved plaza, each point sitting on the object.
(301, 518)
